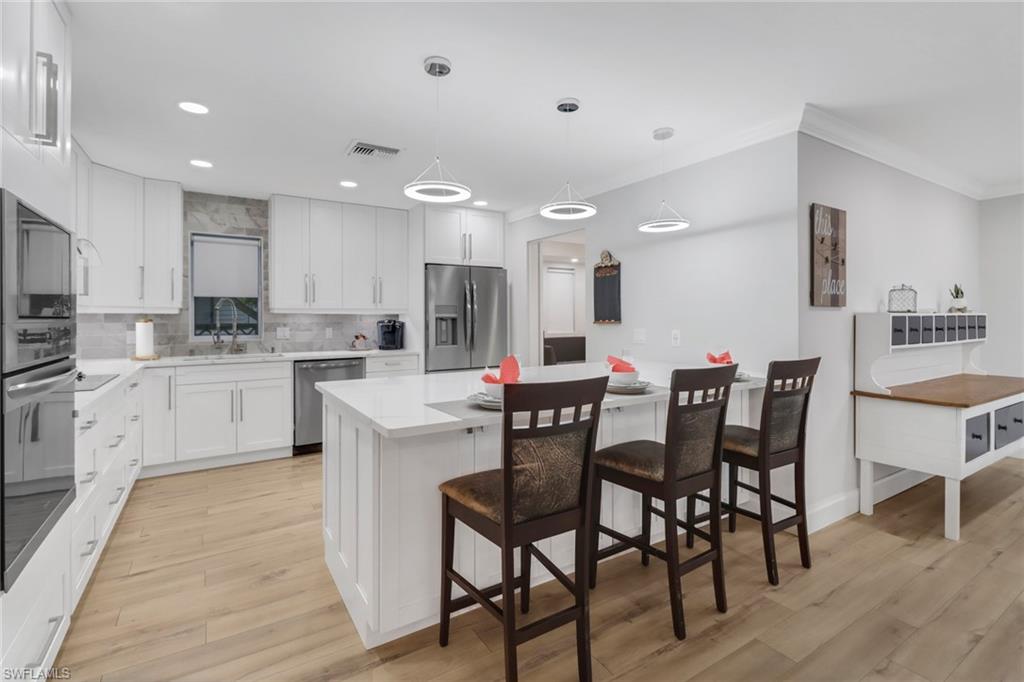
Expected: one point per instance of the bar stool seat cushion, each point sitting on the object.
(741, 439)
(643, 458)
(479, 492)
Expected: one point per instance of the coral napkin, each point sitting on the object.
(619, 365)
(508, 372)
(723, 359)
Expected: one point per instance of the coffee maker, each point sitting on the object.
(390, 334)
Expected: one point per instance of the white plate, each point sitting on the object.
(485, 401)
(630, 389)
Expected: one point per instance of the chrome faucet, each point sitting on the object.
(217, 341)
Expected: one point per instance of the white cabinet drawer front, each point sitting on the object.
(85, 542)
(222, 372)
(36, 644)
(402, 363)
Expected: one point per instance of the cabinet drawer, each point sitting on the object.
(940, 329)
(84, 546)
(951, 327)
(1009, 424)
(976, 437)
(913, 329)
(927, 329)
(36, 644)
(402, 363)
(961, 327)
(899, 330)
(972, 326)
(221, 372)
(982, 326)
(86, 475)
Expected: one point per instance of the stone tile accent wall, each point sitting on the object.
(113, 335)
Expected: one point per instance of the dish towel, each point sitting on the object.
(619, 365)
(508, 372)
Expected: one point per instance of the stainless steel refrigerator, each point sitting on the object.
(467, 317)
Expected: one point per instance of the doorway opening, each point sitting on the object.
(558, 299)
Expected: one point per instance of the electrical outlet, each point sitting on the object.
(283, 333)
(677, 337)
(640, 335)
(329, 333)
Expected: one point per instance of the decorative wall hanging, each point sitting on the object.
(828, 256)
(607, 290)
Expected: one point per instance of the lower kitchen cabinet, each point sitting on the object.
(158, 436)
(264, 415)
(206, 420)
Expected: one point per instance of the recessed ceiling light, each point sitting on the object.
(479, 202)
(199, 163)
(348, 184)
(193, 107)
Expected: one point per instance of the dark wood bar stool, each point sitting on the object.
(690, 460)
(778, 443)
(542, 490)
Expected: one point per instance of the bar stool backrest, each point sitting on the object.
(696, 417)
(549, 432)
(787, 396)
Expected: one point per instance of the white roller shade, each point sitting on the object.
(225, 266)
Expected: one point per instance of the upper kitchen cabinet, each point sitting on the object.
(135, 225)
(329, 257)
(36, 51)
(459, 236)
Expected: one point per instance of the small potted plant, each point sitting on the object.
(959, 304)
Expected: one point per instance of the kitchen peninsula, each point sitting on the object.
(388, 443)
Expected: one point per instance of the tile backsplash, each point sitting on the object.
(112, 335)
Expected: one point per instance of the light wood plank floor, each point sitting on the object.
(219, 575)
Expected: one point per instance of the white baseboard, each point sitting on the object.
(844, 504)
(213, 462)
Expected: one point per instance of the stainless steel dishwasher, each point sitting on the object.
(309, 403)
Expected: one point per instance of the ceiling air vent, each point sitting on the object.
(368, 150)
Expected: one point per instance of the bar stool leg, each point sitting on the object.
(447, 563)
(524, 571)
(675, 589)
(733, 489)
(764, 483)
(508, 610)
(595, 535)
(691, 514)
(645, 528)
(718, 564)
(801, 509)
(582, 606)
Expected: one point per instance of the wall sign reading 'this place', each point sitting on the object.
(828, 256)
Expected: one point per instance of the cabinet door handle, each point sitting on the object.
(45, 103)
(133, 462)
(462, 245)
(119, 439)
(169, 379)
(55, 622)
(92, 545)
(89, 477)
(976, 436)
(373, 288)
(85, 278)
(142, 282)
(470, 246)
(314, 288)
(1001, 427)
(241, 404)
(134, 418)
(305, 291)
(1018, 420)
(86, 426)
(172, 285)
(120, 493)
(232, 407)
(380, 290)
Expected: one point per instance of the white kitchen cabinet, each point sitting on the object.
(459, 236)
(162, 245)
(135, 225)
(264, 414)
(325, 251)
(205, 419)
(289, 253)
(359, 257)
(392, 259)
(158, 434)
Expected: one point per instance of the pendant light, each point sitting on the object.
(572, 206)
(435, 184)
(668, 219)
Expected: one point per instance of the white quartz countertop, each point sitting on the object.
(126, 369)
(398, 407)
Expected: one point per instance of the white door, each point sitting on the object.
(264, 414)
(443, 238)
(559, 300)
(289, 256)
(485, 234)
(325, 247)
(359, 257)
(158, 416)
(205, 420)
(115, 224)
(392, 260)
(162, 243)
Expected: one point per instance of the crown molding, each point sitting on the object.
(1008, 189)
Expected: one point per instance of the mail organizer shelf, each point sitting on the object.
(908, 331)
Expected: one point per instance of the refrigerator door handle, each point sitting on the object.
(475, 313)
(467, 322)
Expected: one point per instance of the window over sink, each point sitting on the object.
(227, 292)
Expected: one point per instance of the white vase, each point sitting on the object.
(958, 305)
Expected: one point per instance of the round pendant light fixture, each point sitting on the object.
(667, 219)
(568, 204)
(436, 185)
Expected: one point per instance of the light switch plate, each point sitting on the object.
(329, 333)
(677, 337)
(640, 335)
(283, 333)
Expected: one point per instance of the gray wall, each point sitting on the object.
(1002, 283)
(112, 335)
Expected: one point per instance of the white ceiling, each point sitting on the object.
(290, 85)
